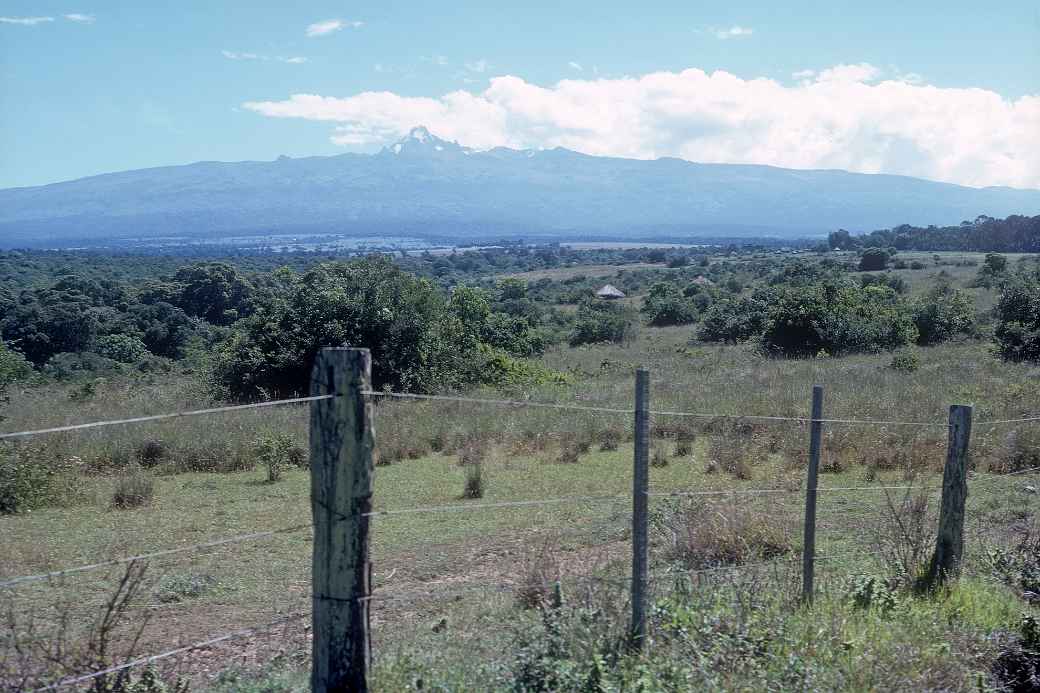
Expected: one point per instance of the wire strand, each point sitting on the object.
(503, 504)
(161, 417)
(496, 402)
(170, 653)
(6, 584)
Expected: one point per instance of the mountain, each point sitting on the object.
(426, 187)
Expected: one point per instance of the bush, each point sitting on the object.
(474, 483)
(735, 320)
(123, 348)
(942, 314)
(906, 361)
(184, 586)
(31, 478)
(151, 452)
(416, 344)
(704, 536)
(666, 305)
(1018, 321)
(837, 318)
(277, 452)
(13, 367)
(133, 490)
(599, 321)
(873, 260)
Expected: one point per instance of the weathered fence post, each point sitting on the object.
(809, 539)
(949, 544)
(341, 447)
(640, 488)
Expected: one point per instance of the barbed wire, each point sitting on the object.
(161, 417)
(496, 402)
(502, 504)
(72, 681)
(6, 584)
(612, 410)
(1007, 421)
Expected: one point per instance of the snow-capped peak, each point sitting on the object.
(420, 141)
(420, 134)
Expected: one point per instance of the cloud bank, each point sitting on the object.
(843, 117)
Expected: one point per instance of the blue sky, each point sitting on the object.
(90, 87)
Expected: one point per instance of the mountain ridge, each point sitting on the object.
(441, 189)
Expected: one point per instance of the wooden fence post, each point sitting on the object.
(949, 544)
(809, 539)
(341, 447)
(640, 488)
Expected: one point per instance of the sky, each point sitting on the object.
(942, 90)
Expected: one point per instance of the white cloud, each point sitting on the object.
(331, 25)
(575, 66)
(732, 32)
(478, 66)
(435, 59)
(233, 55)
(843, 118)
(25, 21)
(81, 18)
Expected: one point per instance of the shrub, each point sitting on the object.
(873, 260)
(474, 483)
(906, 361)
(133, 490)
(704, 536)
(123, 348)
(277, 452)
(942, 314)
(837, 318)
(1019, 450)
(658, 457)
(666, 305)
(13, 367)
(151, 452)
(1018, 321)
(733, 321)
(416, 344)
(31, 477)
(183, 586)
(609, 439)
(602, 322)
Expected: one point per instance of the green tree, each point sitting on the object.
(1017, 334)
(599, 321)
(837, 318)
(942, 314)
(735, 320)
(417, 344)
(213, 291)
(873, 260)
(665, 304)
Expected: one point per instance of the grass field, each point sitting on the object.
(452, 579)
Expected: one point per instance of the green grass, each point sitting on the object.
(470, 562)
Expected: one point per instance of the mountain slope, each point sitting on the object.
(423, 186)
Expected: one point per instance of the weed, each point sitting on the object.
(151, 452)
(703, 536)
(133, 490)
(184, 586)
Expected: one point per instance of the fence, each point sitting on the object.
(342, 458)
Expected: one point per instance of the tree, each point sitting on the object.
(873, 260)
(735, 320)
(1017, 334)
(213, 291)
(942, 314)
(837, 318)
(599, 321)
(417, 344)
(665, 304)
